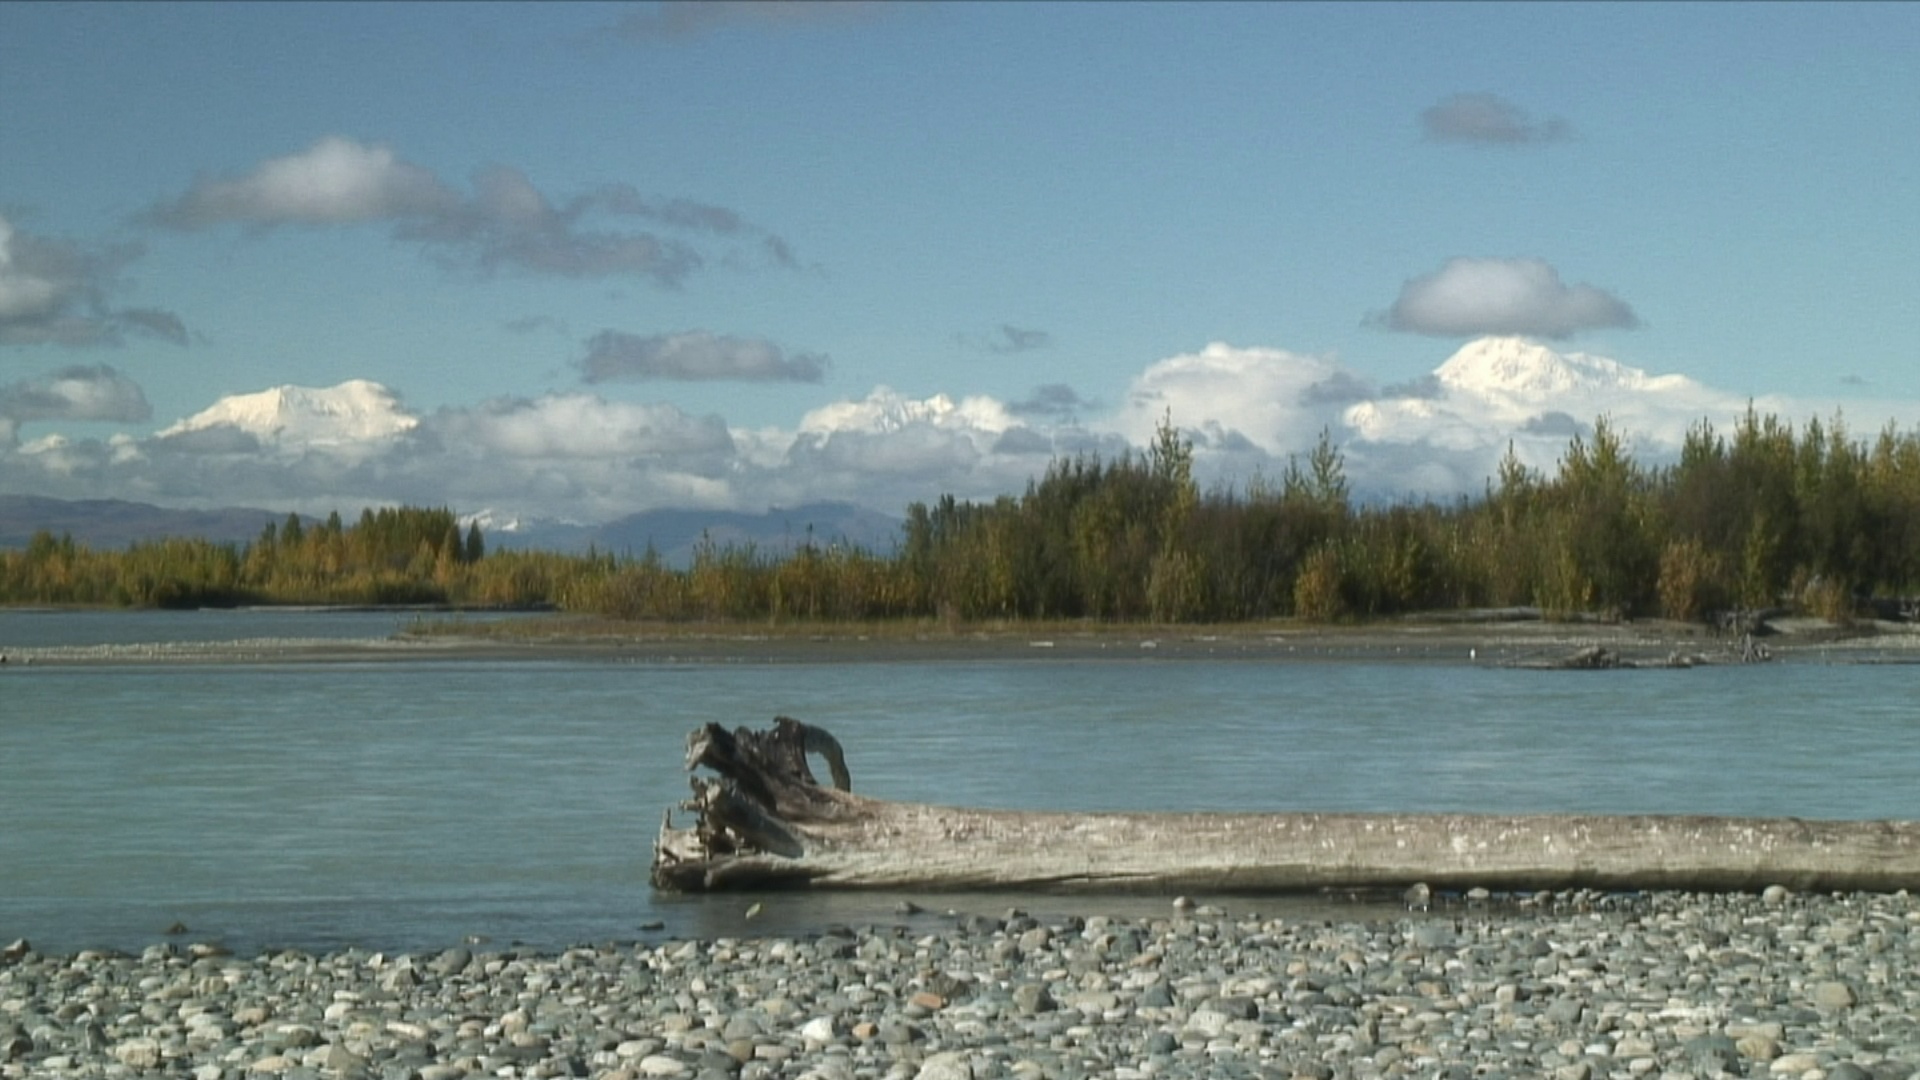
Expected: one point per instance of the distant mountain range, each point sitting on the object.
(675, 533)
(115, 523)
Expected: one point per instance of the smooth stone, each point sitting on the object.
(452, 962)
(1208, 1022)
(1566, 1011)
(140, 1053)
(946, 1065)
(1833, 995)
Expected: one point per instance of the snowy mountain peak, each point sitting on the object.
(355, 411)
(1518, 368)
(885, 411)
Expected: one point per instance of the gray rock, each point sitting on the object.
(451, 962)
(1709, 1053)
(1565, 1011)
(1833, 995)
(1033, 998)
(946, 1065)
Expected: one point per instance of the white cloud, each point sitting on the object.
(23, 294)
(580, 457)
(56, 292)
(91, 392)
(335, 181)
(1471, 297)
(579, 427)
(506, 224)
(1265, 395)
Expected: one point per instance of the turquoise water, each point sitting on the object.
(408, 804)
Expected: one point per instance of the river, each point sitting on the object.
(411, 803)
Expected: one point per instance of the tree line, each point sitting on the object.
(1758, 517)
(402, 555)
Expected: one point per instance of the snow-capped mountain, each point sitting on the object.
(1519, 370)
(356, 411)
(885, 410)
(1495, 389)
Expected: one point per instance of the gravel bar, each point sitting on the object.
(1571, 986)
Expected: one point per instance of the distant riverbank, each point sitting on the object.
(1490, 638)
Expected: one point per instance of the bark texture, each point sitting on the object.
(765, 821)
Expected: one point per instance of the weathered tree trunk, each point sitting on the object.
(765, 821)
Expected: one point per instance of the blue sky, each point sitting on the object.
(756, 253)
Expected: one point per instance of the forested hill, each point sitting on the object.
(116, 523)
(111, 524)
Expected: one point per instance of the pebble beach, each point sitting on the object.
(1571, 986)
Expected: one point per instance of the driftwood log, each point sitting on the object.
(765, 821)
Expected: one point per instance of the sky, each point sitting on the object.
(579, 261)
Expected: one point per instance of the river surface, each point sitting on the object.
(411, 803)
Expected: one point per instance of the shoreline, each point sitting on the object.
(1446, 639)
(1576, 988)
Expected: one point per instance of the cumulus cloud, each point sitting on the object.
(1006, 340)
(580, 457)
(580, 427)
(1470, 297)
(335, 181)
(55, 292)
(505, 223)
(671, 20)
(1487, 120)
(696, 355)
(1266, 395)
(80, 393)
